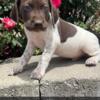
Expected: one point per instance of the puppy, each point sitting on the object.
(44, 29)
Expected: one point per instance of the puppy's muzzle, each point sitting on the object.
(35, 25)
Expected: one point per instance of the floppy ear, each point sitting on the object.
(15, 11)
(54, 13)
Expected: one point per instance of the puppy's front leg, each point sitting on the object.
(39, 72)
(23, 59)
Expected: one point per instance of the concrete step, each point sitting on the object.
(18, 85)
(71, 78)
(63, 78)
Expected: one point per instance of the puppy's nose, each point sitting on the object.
(38, 23)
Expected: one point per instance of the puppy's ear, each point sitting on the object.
(15, 11)
(54, 13)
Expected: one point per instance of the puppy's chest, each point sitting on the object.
(36, 38)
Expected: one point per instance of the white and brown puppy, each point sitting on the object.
(53, 35)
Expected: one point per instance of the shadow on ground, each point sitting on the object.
(55, 62)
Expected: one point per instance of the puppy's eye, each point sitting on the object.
(46, 7)
(43, 7)
(27, 8)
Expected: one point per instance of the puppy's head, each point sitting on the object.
(36, 14)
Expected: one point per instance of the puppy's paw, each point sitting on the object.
(91, 61)
(38, 73)
(15, 70)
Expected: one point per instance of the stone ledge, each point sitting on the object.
(64, 78)
(67, 78)
(71, 88)
(18, 85)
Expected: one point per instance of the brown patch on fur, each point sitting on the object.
(15, 11)
(66, 30)
(34, 13)
(54, 13)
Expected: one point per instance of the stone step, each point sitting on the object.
(64, 78)
(18, 85)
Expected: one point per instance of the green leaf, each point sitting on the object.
(15, 42)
